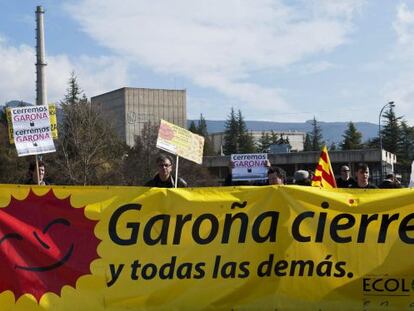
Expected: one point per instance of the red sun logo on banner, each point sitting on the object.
(45, 244)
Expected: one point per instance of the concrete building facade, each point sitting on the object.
(296, 139)
(130, 108)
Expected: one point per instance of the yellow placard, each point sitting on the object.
(230, 248)
(53, 122)
(180, 141)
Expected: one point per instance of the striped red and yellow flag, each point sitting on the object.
(324, 176)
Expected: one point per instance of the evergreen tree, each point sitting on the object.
(316, 136)
(74, 99)
(264, 142)
(352, 138)
(202, 131)
(74, 94)
(372, 143)
(202, 126)
(246, 143)
(245, 139)
(273, 138)
(193, 128)
(405, 153)
(307, 145)
(237, 138)
(391, 131)
(231, 134)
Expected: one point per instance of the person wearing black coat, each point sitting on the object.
(164, 178)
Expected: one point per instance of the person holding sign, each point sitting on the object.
(276, 176)
(32, 177)
(164, 178)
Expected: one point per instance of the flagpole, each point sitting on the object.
(37, 169)
(176, 171)
(330, 167)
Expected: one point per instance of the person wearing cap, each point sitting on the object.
(345, 181)
(302, 178)
(164, 178)
(362, 177)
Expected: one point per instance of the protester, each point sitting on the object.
(302, 178)
(362, 177)
(276, 176)
(164, 178)
(345, 180)
(32, 177)
(229, 178)
(390, 182)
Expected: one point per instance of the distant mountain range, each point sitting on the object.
(16, 103)
(332, 131)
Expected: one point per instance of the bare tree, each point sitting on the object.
(89, 151)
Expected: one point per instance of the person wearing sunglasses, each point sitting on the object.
(345, 180)
(164, 177)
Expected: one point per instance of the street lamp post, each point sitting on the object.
(391, 104)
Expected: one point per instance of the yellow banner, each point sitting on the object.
(53, 123)
(230, 248)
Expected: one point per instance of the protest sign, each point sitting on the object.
(180, 142)
(31, 130)
(53, 122)
(249, 166)
(230, 248)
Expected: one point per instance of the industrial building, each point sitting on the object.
(130, 108)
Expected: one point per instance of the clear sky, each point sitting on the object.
(337, 60)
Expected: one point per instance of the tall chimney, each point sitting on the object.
(41, 94)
